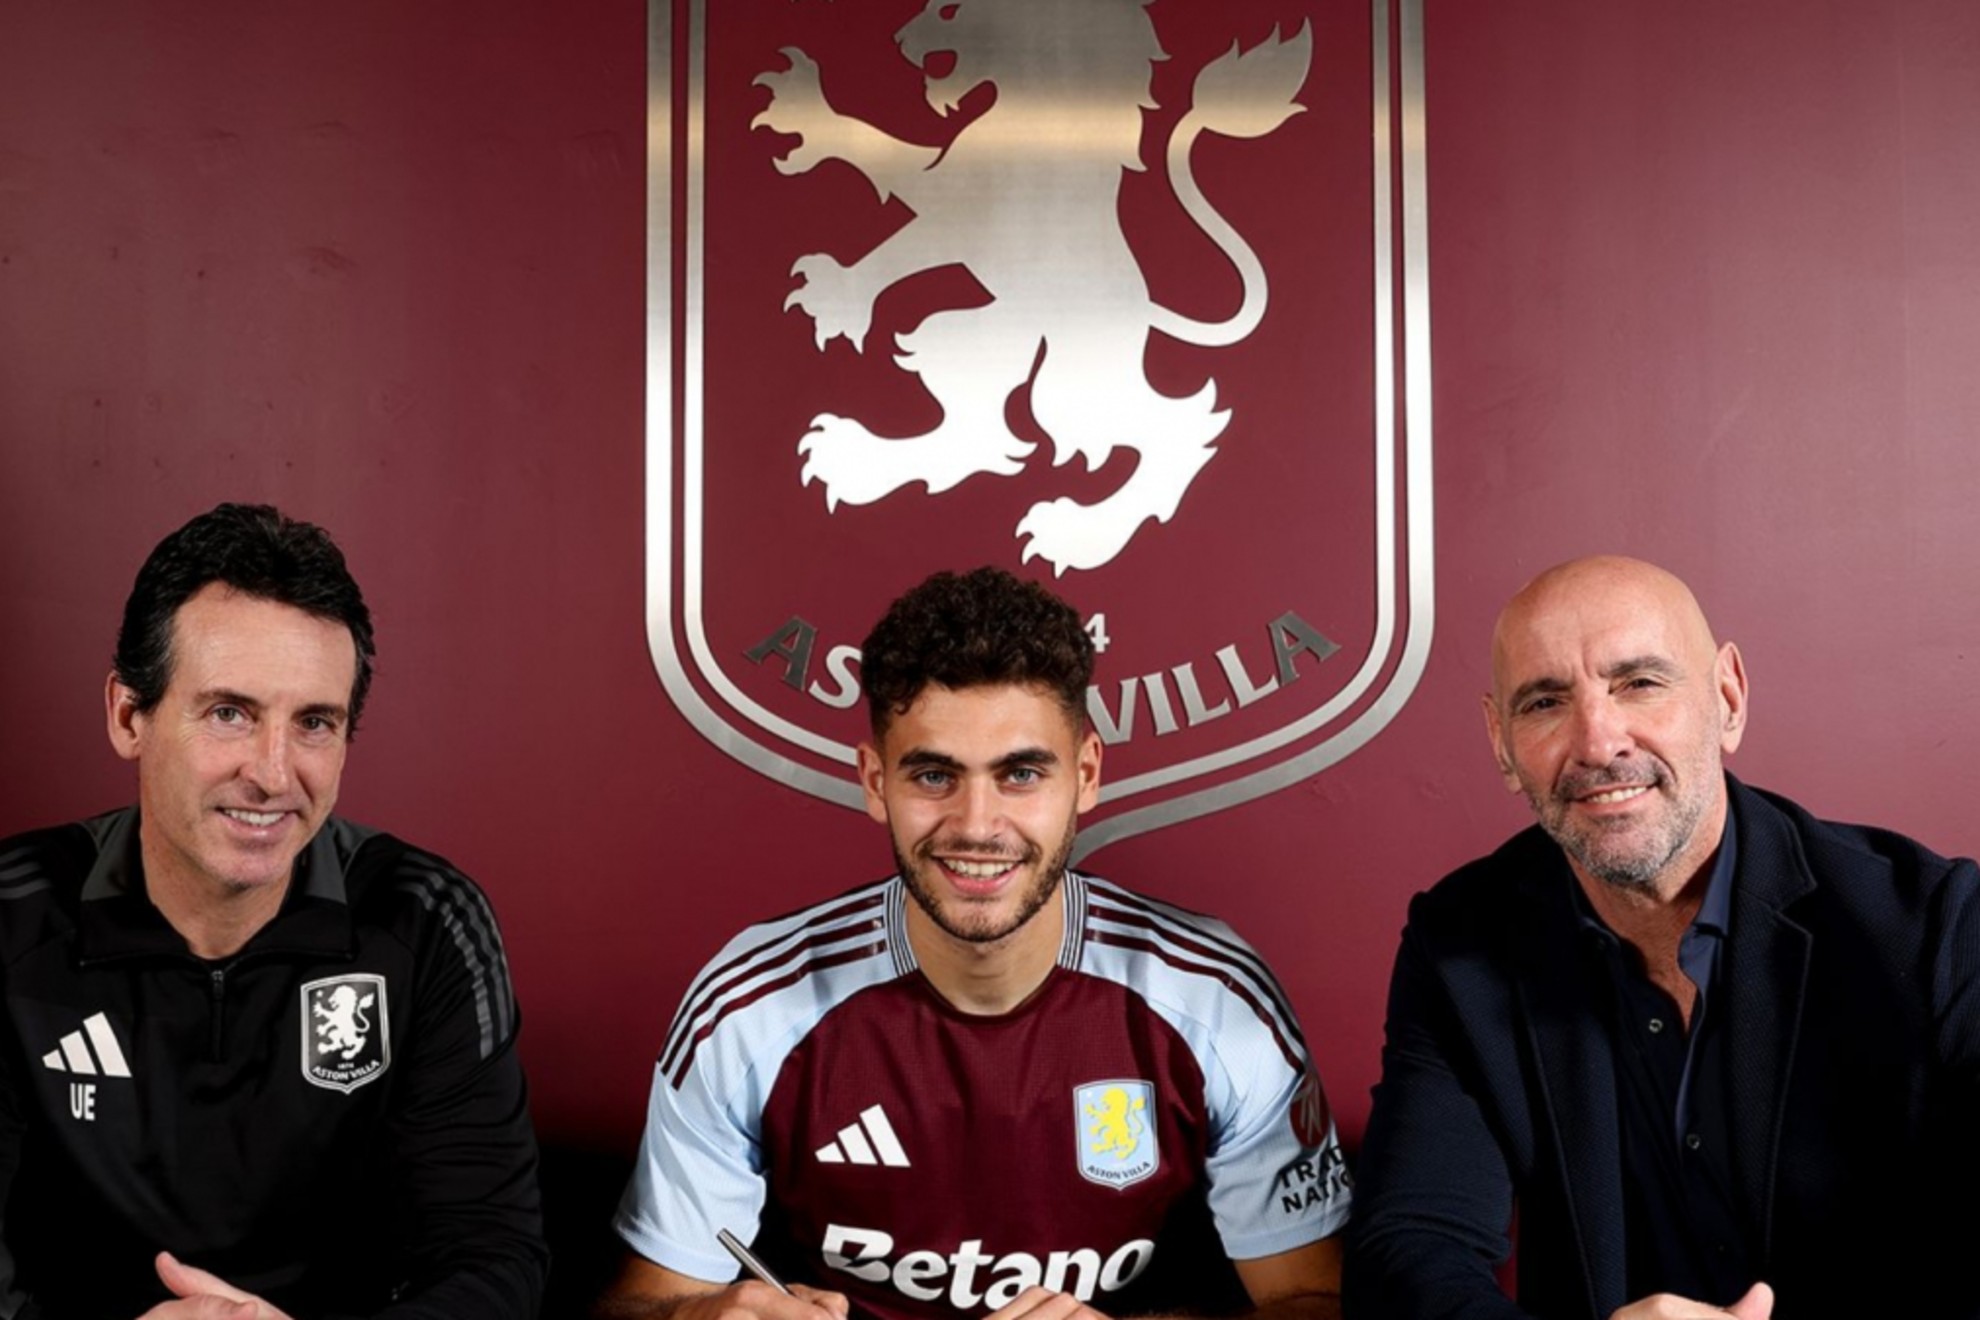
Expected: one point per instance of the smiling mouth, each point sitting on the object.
(978, 870)
(258, 819)
(1612, 795)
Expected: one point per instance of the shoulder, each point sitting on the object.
(1838, 848)
(772, 983)
(393, 883)
(38, 860)
(865, 909)
(1864, 868)
(420, 900)
(1470, 904)
(41, 877)
(1191, 968)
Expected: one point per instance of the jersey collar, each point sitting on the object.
(1072, 903)
(117, 918)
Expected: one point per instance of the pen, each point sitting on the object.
(747, 1259)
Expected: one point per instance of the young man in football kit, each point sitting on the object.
(987, 1084)
(257, 1061)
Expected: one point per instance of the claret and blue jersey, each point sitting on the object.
(1147, 1115)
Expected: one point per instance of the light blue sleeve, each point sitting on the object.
(700, 1169)
(701, 1165)
(1277, 1176)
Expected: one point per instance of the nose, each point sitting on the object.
(979, 809)
(268, 767)
(1600, 732)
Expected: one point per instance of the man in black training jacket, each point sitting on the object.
(259, 1061)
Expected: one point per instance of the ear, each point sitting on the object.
(1087, 766)
(1730, 671)
(872, 778)
(124, 722)
(1495, 730)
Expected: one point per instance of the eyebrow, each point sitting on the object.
(229, 697)
(1643, 664)
(326, 710)
(226, 696)
(923, 758)
(1535, 687)
(1026, 756)
(1636, 664)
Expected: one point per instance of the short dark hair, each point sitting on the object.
(977, 629)
(255, 550)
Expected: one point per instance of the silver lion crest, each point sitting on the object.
(346, 1034)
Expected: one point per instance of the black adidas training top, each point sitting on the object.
(333, 1118)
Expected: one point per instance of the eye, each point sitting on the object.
(228, 715)
(931, 779)
(1023, 776)
(318, 726)
(1538, 704)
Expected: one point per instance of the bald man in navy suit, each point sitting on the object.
(1721, 1058)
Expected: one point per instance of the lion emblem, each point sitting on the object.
(1025, 196)
(342, 1027)
(1117, 1123)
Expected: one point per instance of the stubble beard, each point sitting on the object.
(1044, 884)
(1602, 850)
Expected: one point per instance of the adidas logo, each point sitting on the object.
(73, 1054)
(869, 1141)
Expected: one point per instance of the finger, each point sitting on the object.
(757, 1298)
(834, 1302)
(190, 1281)
(205, 1307)
(1758, 1304)
(1041, 1304)
(1670, 1306)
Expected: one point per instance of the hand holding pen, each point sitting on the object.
(784, 1302)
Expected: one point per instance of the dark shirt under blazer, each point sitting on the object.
(1851, 987)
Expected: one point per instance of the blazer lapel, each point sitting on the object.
(1766, 980)
(1577, 1076)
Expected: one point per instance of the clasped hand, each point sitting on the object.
(200, 1295)
(1758, 1304)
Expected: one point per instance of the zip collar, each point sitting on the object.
(117, 919)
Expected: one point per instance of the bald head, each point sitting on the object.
(1588, 596)
(1611, 708)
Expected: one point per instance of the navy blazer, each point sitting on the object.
(1851, 980)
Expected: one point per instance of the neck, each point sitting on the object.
(1652, 918)
(990, 977)
(215, 921)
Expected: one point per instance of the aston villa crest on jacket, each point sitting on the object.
(346, 1039)
(909, 262)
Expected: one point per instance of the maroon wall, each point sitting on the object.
(1706, 288)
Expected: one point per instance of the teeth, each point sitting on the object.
(1620, 794)
(253, 817)
(977, 870)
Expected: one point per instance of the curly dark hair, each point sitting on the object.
(257, 551)
(976, 629)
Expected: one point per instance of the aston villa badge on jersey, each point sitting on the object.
(1111, 293)
(346, 1037)
(1115, 1130)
